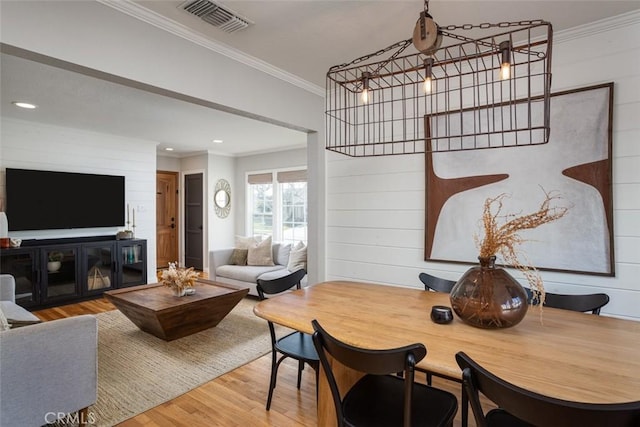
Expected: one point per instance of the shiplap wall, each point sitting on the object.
(30, 145)
(375, 206)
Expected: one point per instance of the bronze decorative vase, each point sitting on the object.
(488, 297)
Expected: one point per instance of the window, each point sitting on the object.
(278, 205)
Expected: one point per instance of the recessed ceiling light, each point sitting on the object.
(24, 105)
(217, 141)
(168, 149)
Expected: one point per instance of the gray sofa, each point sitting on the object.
(247, 275)
(46, 369)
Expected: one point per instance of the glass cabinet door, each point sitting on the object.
(60, 272)
(22, 265)
(98, 266)
(133, 264)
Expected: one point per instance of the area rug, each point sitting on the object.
(137, 371)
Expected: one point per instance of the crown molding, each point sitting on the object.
(143, 14)
(131, 8)
(600, 26)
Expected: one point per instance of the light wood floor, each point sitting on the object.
(234, 399)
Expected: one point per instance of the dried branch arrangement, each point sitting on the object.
(501, 235)
(179, 278)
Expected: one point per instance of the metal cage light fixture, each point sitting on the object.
(457, 93)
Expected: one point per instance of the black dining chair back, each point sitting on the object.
(296, 345)
(437, 284)
(281, 284)
(380, 398)
(583, 303)
(518, 407)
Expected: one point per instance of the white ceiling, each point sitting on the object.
(306, 37)
(70, 99)
(301, 37)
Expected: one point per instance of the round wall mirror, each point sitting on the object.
(222, 198)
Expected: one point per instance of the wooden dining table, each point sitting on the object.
(564, 354)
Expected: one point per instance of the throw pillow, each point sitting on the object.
(4, 323)
(244, 242)
(282, 254)
(297, 257)
(260, 253)
(239, 257)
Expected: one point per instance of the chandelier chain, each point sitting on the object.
(466, 39)
(402, 45)
(486, 25)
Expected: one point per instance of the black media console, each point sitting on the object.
(50, 272)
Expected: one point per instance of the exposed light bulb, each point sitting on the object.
(365, 96)
(427, 84)
(505, 66)
(505, 71)
(428, 75)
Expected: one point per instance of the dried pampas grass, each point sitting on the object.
(179, 278)
(501, 235)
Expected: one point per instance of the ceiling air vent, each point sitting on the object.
(216, 15)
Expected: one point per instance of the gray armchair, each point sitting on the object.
(47, 370)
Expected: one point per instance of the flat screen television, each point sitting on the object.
(47, 200)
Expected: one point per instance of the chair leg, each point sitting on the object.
(274, 374)
(429, 378)
(317, 369)
(300, 368)
(465, 408)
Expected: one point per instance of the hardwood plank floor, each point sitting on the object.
(236, 398)
(93, 306)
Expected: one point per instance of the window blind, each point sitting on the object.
(260, 178)
(292, 176)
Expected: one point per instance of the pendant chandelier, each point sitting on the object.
(457, 93)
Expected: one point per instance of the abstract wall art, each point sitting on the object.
(575, 164)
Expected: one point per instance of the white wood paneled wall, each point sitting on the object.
(30, 145)
(375, 206)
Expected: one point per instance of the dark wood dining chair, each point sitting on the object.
(518, 407)
(380, 398)
(296, 345)
(583, 303)
(437, 284)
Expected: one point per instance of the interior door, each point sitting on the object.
(166, 218)
(193, 220)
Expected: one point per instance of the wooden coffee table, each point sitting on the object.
(154, 309)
